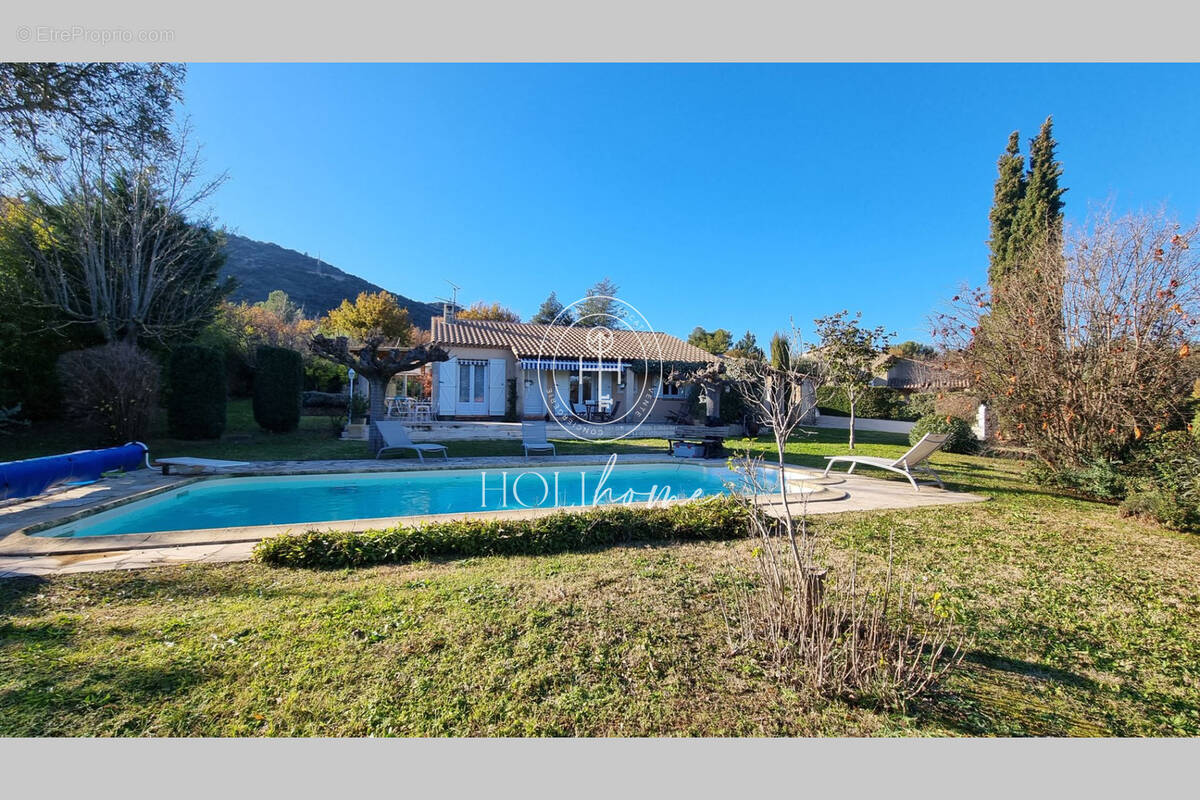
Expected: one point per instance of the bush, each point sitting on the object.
(713, 518)
(1098, 478)
(962, 438)
(874, 402)
(196, 392)
(1165, 474)
(278, 380)
(322, 375)
(510, 402)
(111, 388)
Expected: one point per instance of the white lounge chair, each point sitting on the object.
(395, 437)
(906, 465)
(533, 437)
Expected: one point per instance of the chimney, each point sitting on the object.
(448, 312)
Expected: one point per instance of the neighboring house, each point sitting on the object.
(908, 375)
(559, 365)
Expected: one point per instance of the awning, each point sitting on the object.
(575, 364)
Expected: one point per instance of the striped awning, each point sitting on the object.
(575, 364)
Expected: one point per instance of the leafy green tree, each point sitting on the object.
(1006, 200)
(781, 352)
(747, 347)
(371, 314)
(716, 342)
(280, 305)
(494, 311)
(914, 350)
(600, 307)
(848, 353)
(1040, 215)
(550, 311)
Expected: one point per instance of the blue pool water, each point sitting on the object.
(296, 499)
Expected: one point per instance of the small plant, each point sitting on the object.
(358, 408)
(962, 438)
(278, 381)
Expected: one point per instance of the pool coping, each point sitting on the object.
(21, 542)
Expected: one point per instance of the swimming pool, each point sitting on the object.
(299, 499)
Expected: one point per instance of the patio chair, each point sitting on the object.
(611, 412)
(533, 437)
(906, 465)
(395, 437)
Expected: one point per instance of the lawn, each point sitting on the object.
(1080, 623)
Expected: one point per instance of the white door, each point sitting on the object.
(447, 377)
(497, 388)
(472, 388)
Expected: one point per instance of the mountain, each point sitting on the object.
(262, 267)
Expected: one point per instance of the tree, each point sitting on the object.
(112, 239)
(280, 306)
(123, 102)
(913, 350)
(376, 315)
(716, 342)
(1085, 378)
(747, 347)
(378, 364)
(495, 312)
(781, 351)
(600, 307)
(1040, 214)
(848, 354)
(1006, 200)
(551, 312)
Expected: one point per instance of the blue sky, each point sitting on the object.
(731, 196)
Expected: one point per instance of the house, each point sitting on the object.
(908, 375)
(563, 366)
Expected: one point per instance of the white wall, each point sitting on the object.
(865, 424)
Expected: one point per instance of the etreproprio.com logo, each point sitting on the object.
(612, 347)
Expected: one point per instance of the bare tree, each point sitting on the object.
(114, 236)
(1086, 347)
(378, 365)
(782, 396)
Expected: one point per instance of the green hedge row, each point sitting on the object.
(196, 392)
(874, 402)
(278, 382)
(713, 518)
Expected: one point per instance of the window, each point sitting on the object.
(581, 392)
(668, 389)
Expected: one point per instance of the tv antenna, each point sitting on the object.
(451, 304)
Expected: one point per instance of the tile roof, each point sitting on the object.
(527, 339)
(907, 373)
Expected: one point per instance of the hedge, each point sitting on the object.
(962, 438)
(874, 402)
(278, 381)
(713, 518)
(196, 392)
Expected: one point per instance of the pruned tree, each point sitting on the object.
(378, 364)
(1107, 360)
(114, 237)
(848, 354)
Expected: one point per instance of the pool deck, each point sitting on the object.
(22, 555)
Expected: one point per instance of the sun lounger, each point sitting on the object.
(533, 437)
(906, 465)
(395, 437)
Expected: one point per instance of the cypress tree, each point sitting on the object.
(1010, 189)
(1040, 215)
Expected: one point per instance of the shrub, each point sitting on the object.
(920, 404)
(874, 402)
(962, 438)
(111, 388)
(196, 392)
(510, 402)
(1099, 478)
(322, 375)
(1165, 473)
(709, 519)
(278, 380)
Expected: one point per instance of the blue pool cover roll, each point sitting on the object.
(33, 476)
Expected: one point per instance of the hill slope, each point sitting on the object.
(262, 267)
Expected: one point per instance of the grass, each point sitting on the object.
(1082, 623)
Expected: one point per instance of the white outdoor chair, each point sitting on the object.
(533, 437)
(906, 465)
(395, 437)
